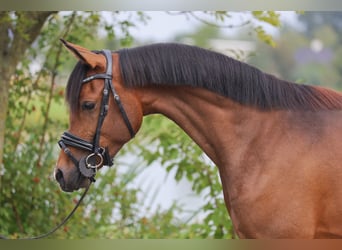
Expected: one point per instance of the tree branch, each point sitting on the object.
(18, 30)
(52, 85)
(5, 27)
(28, 27)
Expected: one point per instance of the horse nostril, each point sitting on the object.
(59, 176)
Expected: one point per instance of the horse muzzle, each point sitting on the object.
(88, 165)
(70, 181)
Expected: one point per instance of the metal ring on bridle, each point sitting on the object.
(97, 163)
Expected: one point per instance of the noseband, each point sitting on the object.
(98, 155)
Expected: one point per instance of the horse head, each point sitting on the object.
(104, 115)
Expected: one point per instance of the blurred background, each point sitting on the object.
(162, 185)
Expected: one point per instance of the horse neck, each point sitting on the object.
(217, 124)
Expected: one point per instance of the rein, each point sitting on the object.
(98, 156)
(64, 221)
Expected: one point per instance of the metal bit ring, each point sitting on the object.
(89, 157)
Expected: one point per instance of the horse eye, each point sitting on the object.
(88, 105)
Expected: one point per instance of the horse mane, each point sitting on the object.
(177, 64)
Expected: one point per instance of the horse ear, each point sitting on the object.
(85, 55)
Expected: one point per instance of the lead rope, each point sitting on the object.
(63, 222)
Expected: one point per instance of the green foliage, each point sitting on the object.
(263, 36)
(255, 23)
(269, 17)
(297, 60)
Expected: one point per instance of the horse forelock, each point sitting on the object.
(74, 85)
(177, 64)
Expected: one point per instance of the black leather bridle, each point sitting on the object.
(98, 155)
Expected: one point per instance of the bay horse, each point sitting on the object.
(277, 144)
